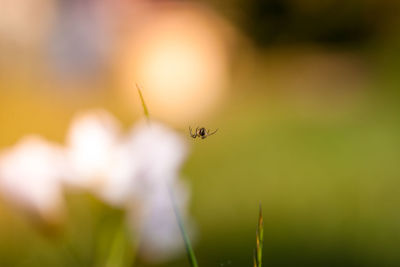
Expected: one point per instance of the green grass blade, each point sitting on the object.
(259, 241)
(189, 249)
(145, 110)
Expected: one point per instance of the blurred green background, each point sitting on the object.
(309, 127)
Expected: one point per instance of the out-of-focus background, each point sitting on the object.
(305, 95)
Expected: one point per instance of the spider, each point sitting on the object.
(201, 132)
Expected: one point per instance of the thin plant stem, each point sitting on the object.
(257, 259)
(189, 249)
(188, 246)
(145, 109)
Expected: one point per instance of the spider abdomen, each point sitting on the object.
(202, 132)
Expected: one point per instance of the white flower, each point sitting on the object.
(157, 154)
(139, 171)
(118, 187)
(91, 143)
(100, 161)
(31, 175)
(136, 171)
(160, 236)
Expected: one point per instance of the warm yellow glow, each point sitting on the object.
(180, 59)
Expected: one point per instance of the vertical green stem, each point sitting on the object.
(145, 110)
(189, 249)
(260, 239)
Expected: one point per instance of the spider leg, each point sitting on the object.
(191, 134)
(208, 132)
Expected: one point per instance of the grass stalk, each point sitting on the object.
(259, 241)
(188, 246)
(145, 109)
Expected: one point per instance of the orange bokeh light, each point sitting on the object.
(180, 58)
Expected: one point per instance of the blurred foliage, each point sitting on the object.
(270, 22)
(329, 188)
(93, 234)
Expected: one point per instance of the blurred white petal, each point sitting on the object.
(160, 236)
(118, 187)
(31, 174)
(158, 152)
(91, 141)
(135, 170)
(149, 158)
